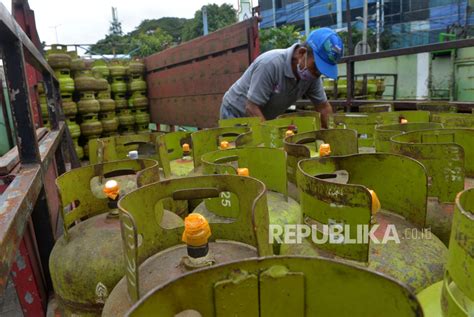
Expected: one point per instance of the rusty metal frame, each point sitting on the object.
(24, 193)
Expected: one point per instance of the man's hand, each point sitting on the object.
(325, 109)
(253, 110)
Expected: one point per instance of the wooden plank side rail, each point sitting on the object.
(186, 83)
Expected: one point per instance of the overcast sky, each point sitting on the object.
(87, 21)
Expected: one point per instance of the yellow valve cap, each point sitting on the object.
(196, 230)
(289, 133)
(111, 189)
(243, 171)
(403, 121)
(224, 145)
(324, 149)
(185, 147)
(375, 202)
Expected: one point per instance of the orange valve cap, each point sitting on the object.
(224, 145)
(186, 147)
(243, 171)
(111, 189)
(289, 133)
(403, 121)
(196, 230)
(375, 202)
(324, 149)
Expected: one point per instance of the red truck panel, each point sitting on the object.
(186, 83)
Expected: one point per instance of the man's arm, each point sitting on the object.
(318, 97)
(253, 110)
(325, 109)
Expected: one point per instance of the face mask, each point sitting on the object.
(305, 73)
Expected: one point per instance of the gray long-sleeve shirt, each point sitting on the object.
(269, 82)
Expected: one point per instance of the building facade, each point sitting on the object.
(402, 23)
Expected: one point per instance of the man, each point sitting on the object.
(277, 78)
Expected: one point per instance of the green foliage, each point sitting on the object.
(154, 35)
(281, 37)
(172, 26)
(218, 17)
(150, 42)
(111, 44)
(386, 39)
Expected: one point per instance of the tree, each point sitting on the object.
(150, 42)
(387, 39)
(111, 44)
(281, 37)
(172, 26)
(218, 17)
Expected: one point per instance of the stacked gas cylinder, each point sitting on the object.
(64, 64)
(130, 97)
(111, 97)
(138, 99)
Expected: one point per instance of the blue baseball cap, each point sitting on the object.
(327, 49)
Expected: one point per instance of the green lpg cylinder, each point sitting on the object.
(90, 126)
(454, 120)
(88, 104)
(365, 123)
(162, 255)
(87, 260)
(436, 106)
(73, 127)
(370, 209)
(120, 101)
(118, 147)
(329, 87)
(110, 123)
(454, 295)
(79, 149)
(251, 122)
(66, 83)
(117, 69)
(101, 82)
(383, 133)
(142, 120)
(139, 100)
(280, 287)
(69, 106)
(175, 154)
(118, 85)
(126, 121)
(105, 94)
(254, 162)
(58, 58)
(136, 83)
(448, 156)
(77, 63)
(75, 131)
(106, 104)
(380, 83)
(85, 81)
(210, 140)
(371, 89)
(326, 142)
(341, 88)
(100, 66)
(136, 67)
(44, 107)
(274, 131)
